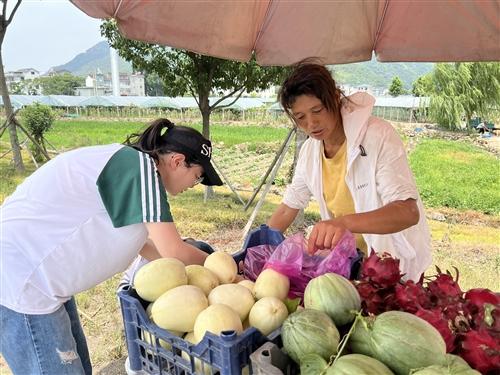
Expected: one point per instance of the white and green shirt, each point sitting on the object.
(76, 222)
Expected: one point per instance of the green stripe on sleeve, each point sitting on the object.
(131, 189)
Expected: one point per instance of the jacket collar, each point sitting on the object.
(355, 111)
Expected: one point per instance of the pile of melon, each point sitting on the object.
(326, 336)
(393, 342)
(189, 301)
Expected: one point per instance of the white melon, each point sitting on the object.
(158, 276)
(270, 283)
(267, 314)
(201, 277)
(249, 284)
(178, 308)
(237, 297)
(150, 339)
(223, 265)
(215, 319)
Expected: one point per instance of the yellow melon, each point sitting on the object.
(201, 277)
(178, 308)
(239, 298)
(156, 277)
(215, 319)
(223, 265)
(270, 283)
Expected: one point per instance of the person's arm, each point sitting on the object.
(282, 217)
(165, 241)
(149, 251)
(391, 218)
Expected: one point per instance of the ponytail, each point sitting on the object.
(162, 137)
(151, 141)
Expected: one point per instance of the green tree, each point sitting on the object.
(422, 86)
(396, 87)
(38, 119)
(25, 87)
(60, 84)
(153, 85)
(188, 72)
(464, 90)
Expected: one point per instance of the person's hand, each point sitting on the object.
(325, 235)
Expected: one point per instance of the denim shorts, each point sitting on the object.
(49, 344)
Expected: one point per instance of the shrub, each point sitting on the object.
(38, 119)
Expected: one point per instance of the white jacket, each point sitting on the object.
(377, 174)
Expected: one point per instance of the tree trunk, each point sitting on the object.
(14, 141)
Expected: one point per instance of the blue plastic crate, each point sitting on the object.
(260, 236)
(226, 354)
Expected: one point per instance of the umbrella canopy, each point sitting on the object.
(281, 32)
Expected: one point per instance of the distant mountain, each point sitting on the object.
(378, 74)
(370, 73)
(96, 57)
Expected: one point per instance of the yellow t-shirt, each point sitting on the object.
(337, 196)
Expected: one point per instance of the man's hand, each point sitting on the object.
(325, 235)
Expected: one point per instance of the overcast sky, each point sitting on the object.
(46, 33)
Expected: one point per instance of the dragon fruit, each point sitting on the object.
(411, 296)
(443, 289)
(469, 323)
(481, 351)
(371, 297)
(480, 296)
(381, 270)
(438, 321)
(484, 306)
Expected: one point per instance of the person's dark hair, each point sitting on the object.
(309, 77)
(158, 139)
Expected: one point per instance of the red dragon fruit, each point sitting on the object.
(381, 270)
(481, 351)
(371, 297)
(438, 321)
(480, 296)
(443, 289)
(411, 296)
(484, 306)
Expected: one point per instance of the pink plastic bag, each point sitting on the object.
(291, 259)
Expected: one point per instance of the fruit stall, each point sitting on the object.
(211, 319)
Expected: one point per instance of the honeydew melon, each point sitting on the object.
(201, 277)
(237, 297)
(178, 308)
(158, 276)
(223, 265)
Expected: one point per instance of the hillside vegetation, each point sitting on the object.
(370, 73)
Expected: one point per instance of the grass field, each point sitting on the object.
(458, 182)
(456, 174)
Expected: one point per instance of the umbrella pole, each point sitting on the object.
(268, 186)
(227, 181)
(263, 180)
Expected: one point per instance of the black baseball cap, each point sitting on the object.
(200, 149)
